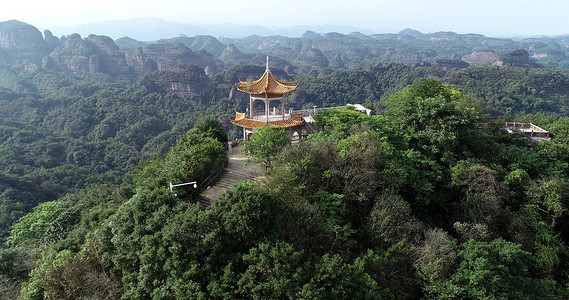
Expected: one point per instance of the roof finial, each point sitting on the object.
(267, 70)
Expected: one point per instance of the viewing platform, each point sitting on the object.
(530, 130)
(270, 89)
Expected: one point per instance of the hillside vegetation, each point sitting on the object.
(416, 201)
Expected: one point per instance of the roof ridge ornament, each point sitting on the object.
(267, 69)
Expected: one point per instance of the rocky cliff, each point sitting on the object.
(481, 58)
(517, 58)
(183, 81)
(73, 55)
(166, 57)
(312, 62)
(337, 62)
(197, 43)
(23, 42)
(51, 41)
(111, 59)
(231, 53)
(94, 54)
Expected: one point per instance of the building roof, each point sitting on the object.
(267, 85)
(254, 124)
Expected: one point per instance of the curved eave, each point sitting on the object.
(267, 84)
(254, 124)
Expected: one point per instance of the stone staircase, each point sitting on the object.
(310, 128)
(236, 172)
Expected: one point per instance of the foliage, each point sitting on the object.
(42, 226)
(265, 143)
(338, 123)
(211, 127)
(193, 158)
(498, 270)
(420, 202)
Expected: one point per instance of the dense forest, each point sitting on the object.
(416, 201)
(419, 202)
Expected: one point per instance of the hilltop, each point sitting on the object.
(427, 198)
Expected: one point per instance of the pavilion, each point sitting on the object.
(267, 89)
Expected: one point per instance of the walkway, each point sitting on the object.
(235, 172)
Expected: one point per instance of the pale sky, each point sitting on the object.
(488, 17)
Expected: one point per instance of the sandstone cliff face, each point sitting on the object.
(231, 53)
(108, 56)
(481, 58)
(337, 62)
(183, 81)
(94, 54)
(21, 41)
(197, 43)
(166, 57)
(51, 41)
(73, 55)
(312, 62)
(517, 58)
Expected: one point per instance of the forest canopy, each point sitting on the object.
(428, 197)
(419, 202)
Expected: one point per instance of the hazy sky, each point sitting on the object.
(489, 17)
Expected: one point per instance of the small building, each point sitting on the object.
(267, 89)
(535, 133)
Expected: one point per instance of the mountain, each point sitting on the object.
(152, 29)
(22, 46)
(21, 43)
(196, 43)
(517, 58)
(94, 54)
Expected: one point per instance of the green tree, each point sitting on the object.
(193, 158)
(265, 143)
(440, 120)
(39, 228)
(270, 271)
(211, 127)
(332, 278)
(391, 221)
(495, 270)
(338, 122)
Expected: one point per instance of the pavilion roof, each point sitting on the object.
(254, 124)
(267, 85)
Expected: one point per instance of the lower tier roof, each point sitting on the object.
(254, 124)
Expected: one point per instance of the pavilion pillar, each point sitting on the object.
(251, 107)
(282, 108)
(267, 107)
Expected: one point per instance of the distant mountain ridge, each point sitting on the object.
(152, 29)
(23, 47)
